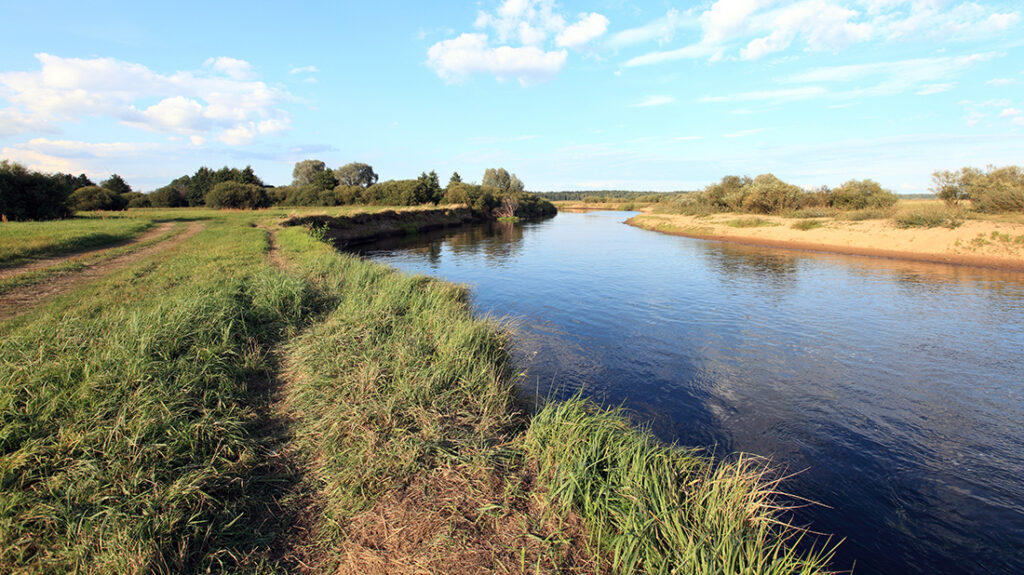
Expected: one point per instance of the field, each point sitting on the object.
(231, 395)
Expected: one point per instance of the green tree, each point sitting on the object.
(356, 174)
(306, 171)
(26, 195)
(199, 185)
(954, 187)
(236, 195)
(428, 189)
(116, 184)
(455, 179)
(505, 182)
(324, 180)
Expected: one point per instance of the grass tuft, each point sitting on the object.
(661, 509)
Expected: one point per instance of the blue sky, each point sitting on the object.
(568, 95)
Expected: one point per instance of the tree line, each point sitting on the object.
(28, 195)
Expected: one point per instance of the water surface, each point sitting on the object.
(894, 388)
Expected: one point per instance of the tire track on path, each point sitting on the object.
(20, 300)
(18, 270)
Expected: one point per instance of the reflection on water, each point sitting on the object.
(894, 388)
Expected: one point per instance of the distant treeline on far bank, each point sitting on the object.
(30, 195)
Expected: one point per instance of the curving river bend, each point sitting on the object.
(895, 389)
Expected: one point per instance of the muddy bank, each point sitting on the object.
(363, 228)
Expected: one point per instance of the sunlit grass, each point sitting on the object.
(22, 240)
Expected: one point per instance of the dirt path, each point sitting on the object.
(20, 300)
(51, 261)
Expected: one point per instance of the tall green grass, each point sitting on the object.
(129, 428)
(397, 377)
(661, 509)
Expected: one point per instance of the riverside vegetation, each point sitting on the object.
(255, 401)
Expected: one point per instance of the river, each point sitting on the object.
(894, 391)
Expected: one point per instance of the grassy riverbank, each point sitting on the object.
(254, 401)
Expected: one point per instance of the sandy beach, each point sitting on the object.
(991, 244)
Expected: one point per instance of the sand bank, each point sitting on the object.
(990, 244)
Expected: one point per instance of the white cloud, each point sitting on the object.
(77, 149)
(39, 161)
(72, 89)
(822, 25)
(304, 70)
(753, 29)
(467, 54)
(1010, 112)
(518, 48)
(693, 51)
(589, 27)
(650, 101)
(1003, 82)
(662, 30)
(232, 67)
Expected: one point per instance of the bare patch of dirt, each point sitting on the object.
(21, 300)
(47, 262)
(458, 520)
(274, 253)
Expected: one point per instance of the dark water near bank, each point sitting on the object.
(896, 388)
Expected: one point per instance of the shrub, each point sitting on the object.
(750, 223)
(770, 195)
(861, 194)
(804, 225)
(91, 198)
(168, 197)
(137, 200)
(1000, 190)
(928, 217)
(480, 198)
(867, 214)
(237, 195)
(993, 190)
(26, 195)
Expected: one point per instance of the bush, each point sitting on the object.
(861, 194)
(237, 195)
(391, 193)
(999, 190)
(770, 195)
(481, 198)
(137, 200)
(26, 195)
(929, 217)
(994, 190)
(92, 198)
(168, 197)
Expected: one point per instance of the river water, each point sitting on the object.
(894, 390)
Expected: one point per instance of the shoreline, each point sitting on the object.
(698, 229)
